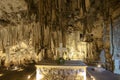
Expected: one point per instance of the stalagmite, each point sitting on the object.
(8, 58)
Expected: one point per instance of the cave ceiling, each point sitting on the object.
(58, 13)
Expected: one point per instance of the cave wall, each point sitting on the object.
(20, 41)
(54, 21)
(116, 46)
(116, 32)
(42, 25)
(12, 11)
(86, 47)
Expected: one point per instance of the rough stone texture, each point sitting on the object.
(11, 11)
(18, 44)
(60, 23)
(9, 6)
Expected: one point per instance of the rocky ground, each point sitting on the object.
(18, 74)
(24, 72)
(117, 76)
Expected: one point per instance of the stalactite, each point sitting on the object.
(104, 33)
(74, 5)
(57, 4)
(41, 21)
(87, 4)
(111, 37)
(3, 46)
(33, 35)
(12, 35)
(63, 5)
(8, 42)
(48, 17)
(50, 25)
(83, 6)
(38, 30)
(36, 39)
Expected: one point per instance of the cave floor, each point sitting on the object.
(19, 74)
(22, 74)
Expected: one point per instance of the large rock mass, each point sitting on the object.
(10, 11)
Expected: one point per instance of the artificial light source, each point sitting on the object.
(15, 68)
(99, 65)
(29, 77)
(1, 75)
(93, 78)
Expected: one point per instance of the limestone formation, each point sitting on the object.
(37, 27)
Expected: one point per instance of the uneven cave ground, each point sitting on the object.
(23, 72)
